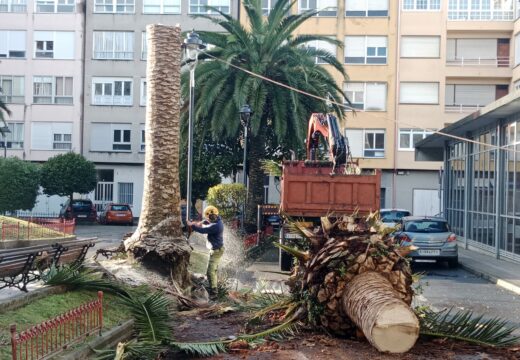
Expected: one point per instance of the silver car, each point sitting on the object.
(392, 217)
(432, 236)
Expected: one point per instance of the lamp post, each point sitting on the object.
(5, 130)
(245, 115)
(192, 46)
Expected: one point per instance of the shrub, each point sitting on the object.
(228, 198)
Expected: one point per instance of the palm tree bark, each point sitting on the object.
(158, 242)
(255, 196)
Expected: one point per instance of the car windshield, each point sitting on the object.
(393, 216)
(426, 226)
(80, 203)
(120, 208)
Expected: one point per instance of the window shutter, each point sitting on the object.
(474, 94)
(419, 93)
(476, 49)
(375, 96)
(356, 5)
(376, 41)
(377, 4)
(41, 136)
(4, 43)
(64, 45)
(517, 49)
(61, 128)
(420, 46)
(449, 97)
(355, 141)
(323, 45)
(451, 49)
(17, 40)
(100, 137)
(324, 4)
(355, 46)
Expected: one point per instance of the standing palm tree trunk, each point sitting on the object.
(158, 241)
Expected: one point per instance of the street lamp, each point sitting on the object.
(5, 130)
(245, 115)
(192, 46)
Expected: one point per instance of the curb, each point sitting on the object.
(24, 298)
(486, 276)
(107, 339)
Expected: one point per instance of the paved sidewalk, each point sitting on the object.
(505, 274)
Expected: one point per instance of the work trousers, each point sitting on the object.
(214, 259)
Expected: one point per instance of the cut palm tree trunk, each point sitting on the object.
(387, 322)
(158, 242)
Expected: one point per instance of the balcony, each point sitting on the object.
(462, 108)
(480, 62)
(481, 15)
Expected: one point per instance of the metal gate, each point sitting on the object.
(104, 194)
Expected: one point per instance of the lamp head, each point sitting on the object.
(193, 45)
(245, 114)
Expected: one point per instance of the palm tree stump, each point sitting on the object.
(158, 242)
(355, 278)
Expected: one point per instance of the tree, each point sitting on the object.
(3, 111)
(158, 242)
(19, 184)
(68, 173)
(228, 198)
(266, 46)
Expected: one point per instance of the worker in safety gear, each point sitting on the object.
(213, 226)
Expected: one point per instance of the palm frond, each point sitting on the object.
(208, 348)
(300, 255)
(271, 167)
(465, 326)
(288, 328)
(132, 350)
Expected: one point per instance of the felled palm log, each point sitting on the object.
(350, 251)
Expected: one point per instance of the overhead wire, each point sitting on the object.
(413, 126)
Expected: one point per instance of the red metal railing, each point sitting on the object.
(51, 337)
(36, 228)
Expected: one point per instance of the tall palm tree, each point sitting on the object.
(269, 47)
(3, 112)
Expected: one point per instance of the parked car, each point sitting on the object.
(116, 214)
(432, 236)
(80, 209)
(392, 217)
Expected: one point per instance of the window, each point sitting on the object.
(144, 46)
(54, 44)
(51, 135)
(110, 91)
(422, 5)
(126, 194)
(324, 7)
(419, 93)
(114, 6)
(62, 142)
(420, 46)
(113, 45)
(52, 90)
(142, 139)
(121, 139)
(475, 52)
(14, 139)
(469, 95)
(324, 46)
(12, 89)
(366, 96)
(55, 6)
(143, 93)
(161, 6)
(15, 6)
(12, 44)
(368, 143)
(409, 137)
(365, 49)
(517, 49)
(267, 6)
(199, 6)
(482, 10)
(516, 85)
(366, 8)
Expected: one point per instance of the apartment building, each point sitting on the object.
(41, 76)
(115, 86)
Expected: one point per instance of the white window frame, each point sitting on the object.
(366, 57)
(410, 133)
(55, 6)
(61, 141)
(16, 128)
(415, 5)
(54, 45)
(405, 56)
(331, 11)
(12, 98)
(470, 12)
(123, 196)
(418, 103)
(270, 5)
(102, 7)
(362, 105)
(144, 46)
(142, 138)
(161, 5)
(13, 6)
(364, 10)
(47, 50)
(195, 7)
(108, 38)
(143, 92)
(54, 98)
(111, 99)
(121, 145)
(374, 132)
(9, 50)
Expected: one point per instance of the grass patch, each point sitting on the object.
(17, 229)
(198, 262)
(40, 310)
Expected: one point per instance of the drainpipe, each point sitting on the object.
(83, 67)
(396, 111)
(500, 171)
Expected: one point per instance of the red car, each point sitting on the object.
(116, 214)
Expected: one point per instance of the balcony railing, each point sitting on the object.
(498, 62)
(481, 15)
(461, 108)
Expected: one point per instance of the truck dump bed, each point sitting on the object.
(310, 191)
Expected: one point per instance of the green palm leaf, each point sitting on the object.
(465, 326)
(131, 350)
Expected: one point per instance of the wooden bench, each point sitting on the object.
(18, 267)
